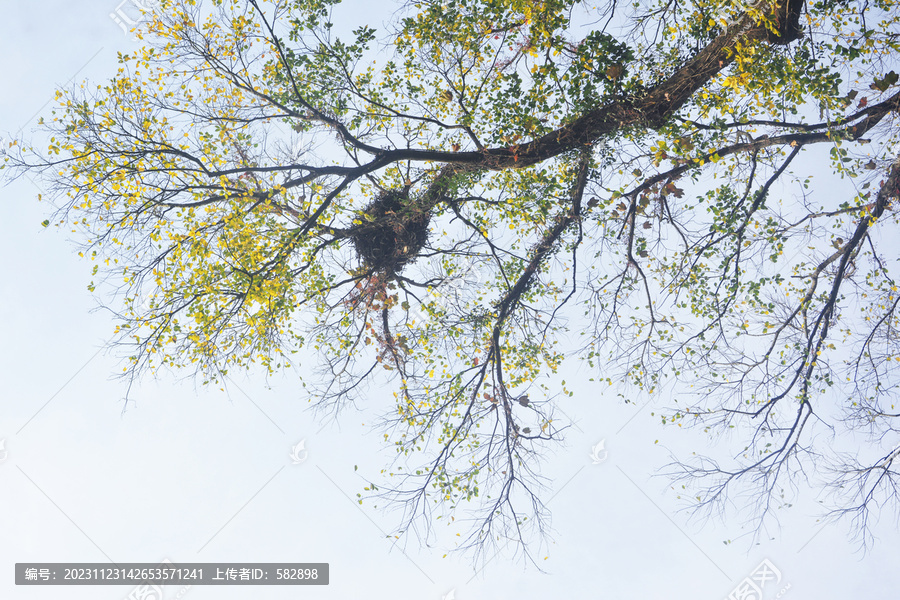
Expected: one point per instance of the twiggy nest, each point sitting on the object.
(392, 233)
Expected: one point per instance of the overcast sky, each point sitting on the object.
(198, 475)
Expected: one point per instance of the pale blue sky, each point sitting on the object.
(187, 468)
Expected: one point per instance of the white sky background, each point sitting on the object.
(193, 474)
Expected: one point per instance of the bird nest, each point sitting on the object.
(393, 231)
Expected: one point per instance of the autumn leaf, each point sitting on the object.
(885, 82)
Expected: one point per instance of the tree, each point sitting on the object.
(251, 187)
